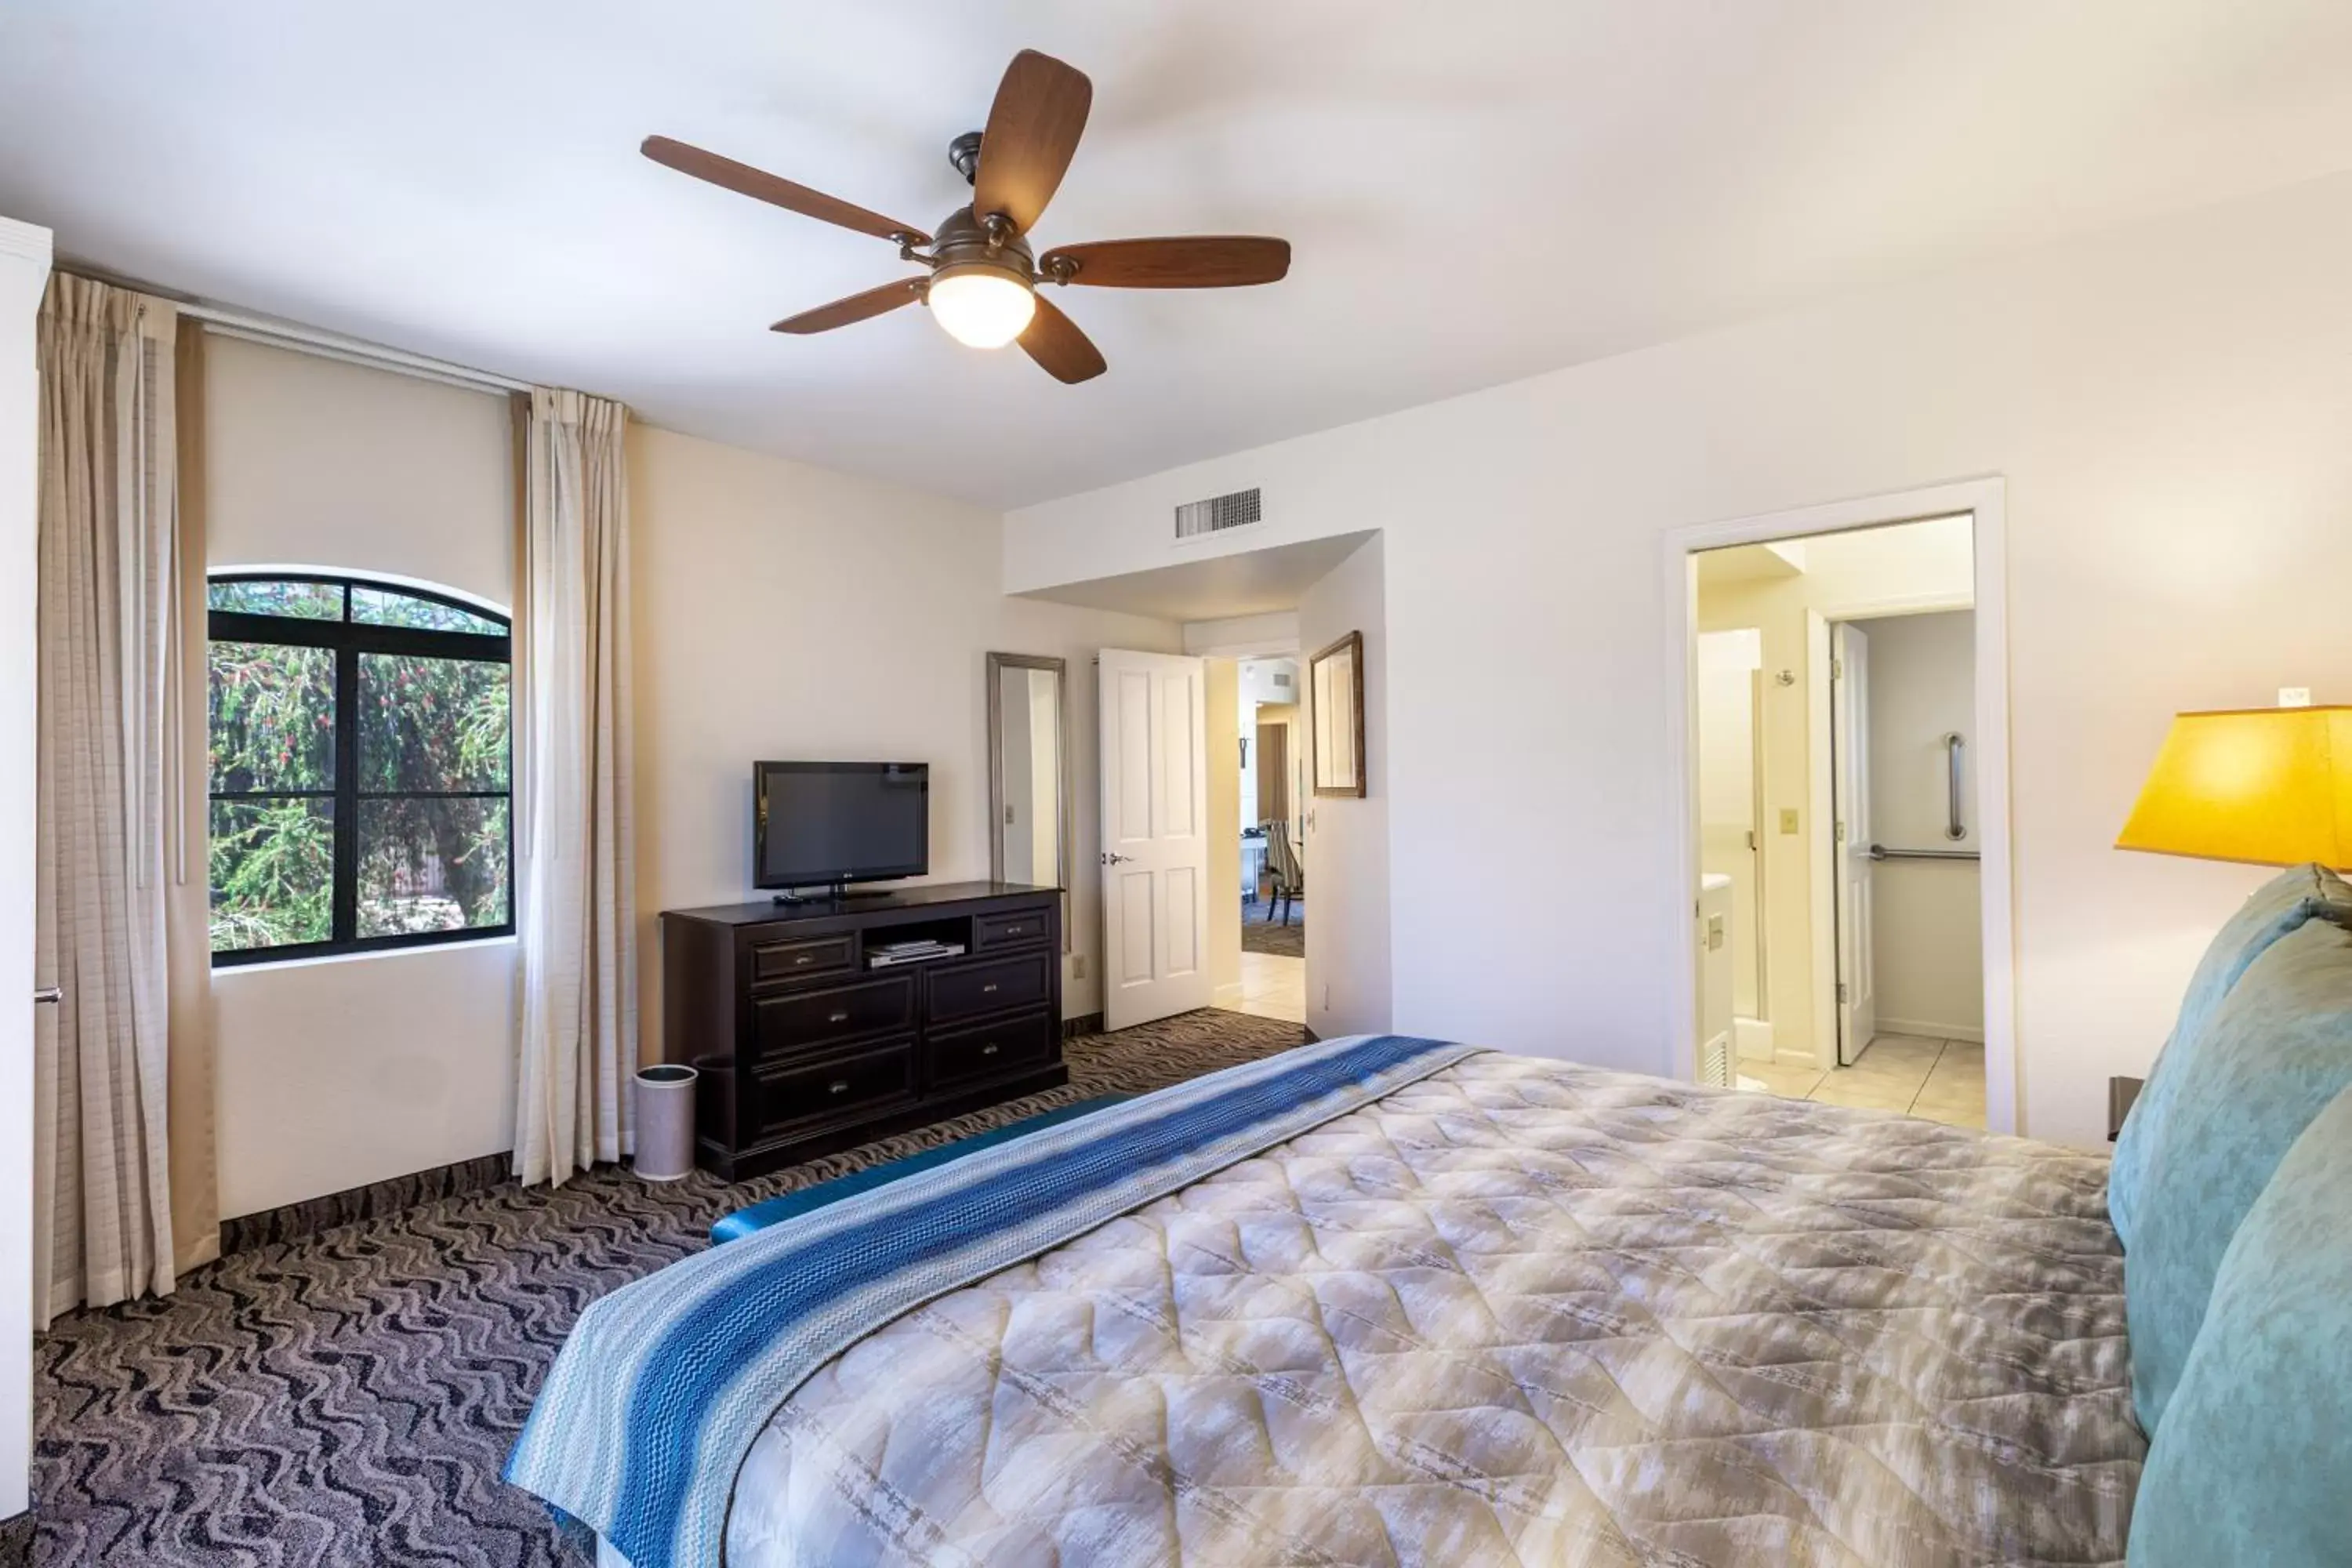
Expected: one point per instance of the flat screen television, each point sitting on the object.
(834, 823)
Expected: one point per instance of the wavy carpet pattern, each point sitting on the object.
(348, 1398)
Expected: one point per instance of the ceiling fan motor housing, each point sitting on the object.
(963, 243)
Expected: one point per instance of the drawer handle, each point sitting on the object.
(802, 957)
(838, 1086)
(1014, 930)
(840, 1018)
(989, 989)
(989, 1050)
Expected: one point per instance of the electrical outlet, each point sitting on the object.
(2295, 695)
(1078, 966)
(1788, 820)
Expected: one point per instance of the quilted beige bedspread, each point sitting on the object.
(1521, 1312)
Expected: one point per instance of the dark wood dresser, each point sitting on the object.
(804, 1048)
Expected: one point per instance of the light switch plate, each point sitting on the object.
(1788, 820)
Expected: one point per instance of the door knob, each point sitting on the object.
(1110, 859)
(49, 996)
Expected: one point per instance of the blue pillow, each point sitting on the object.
(2256, 1454)
(2275, 1052)
(2281, 905)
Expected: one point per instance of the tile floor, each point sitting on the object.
(1941, 1080)
(1274, 986)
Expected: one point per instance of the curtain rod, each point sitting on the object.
(276, 332)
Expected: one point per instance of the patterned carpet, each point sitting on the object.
(349, 1399)
(1262, 934)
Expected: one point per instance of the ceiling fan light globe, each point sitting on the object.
(982, 307)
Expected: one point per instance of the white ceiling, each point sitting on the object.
(1476, 191)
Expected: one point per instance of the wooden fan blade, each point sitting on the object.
(857, 308)
(1184, 261)
(1053, 340)
(1033, 130)
(760, 186)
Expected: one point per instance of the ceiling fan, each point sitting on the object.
(982, 285)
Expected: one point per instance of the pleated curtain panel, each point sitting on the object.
(576, 910)
(121, 880)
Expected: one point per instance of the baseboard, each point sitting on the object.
(1751, 1040)
(1932, 1031)
(1083, 1024)
(377, 1200)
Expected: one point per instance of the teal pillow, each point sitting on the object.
(2276, 1051)
(2256, 1451)
(2281, 905)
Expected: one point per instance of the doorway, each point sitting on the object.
(1843, 811)
(1268, 832)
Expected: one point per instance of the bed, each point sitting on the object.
(1383, 1301)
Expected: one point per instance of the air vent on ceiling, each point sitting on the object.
(1218, 513)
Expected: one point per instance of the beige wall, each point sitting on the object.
(1726, 687)
(780, 611)
(786, 611)
(340, 1071)
(2167, 404)
(1347, 849)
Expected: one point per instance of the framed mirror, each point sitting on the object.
(1028, 774)
(1335, 719)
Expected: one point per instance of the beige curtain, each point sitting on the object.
(112, 771)
(187, 917)
(576, 910)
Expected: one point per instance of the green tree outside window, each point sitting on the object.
(359, 768)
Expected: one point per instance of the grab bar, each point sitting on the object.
(1953, 746)
(1881, 852)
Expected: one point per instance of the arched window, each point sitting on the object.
(359, 748)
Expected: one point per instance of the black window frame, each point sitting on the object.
(348, 639)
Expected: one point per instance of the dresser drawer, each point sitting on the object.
(1023, 927)
(999, 985)
(792, 1021)
(983, 1050)
(843, 1087)
(810, 955)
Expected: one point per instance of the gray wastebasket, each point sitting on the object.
(665, 1122)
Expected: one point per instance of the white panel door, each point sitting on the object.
(1155, 837)
(1850, 774)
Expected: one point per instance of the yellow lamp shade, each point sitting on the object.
(2272, 787)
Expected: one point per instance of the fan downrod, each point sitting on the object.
(964, 153)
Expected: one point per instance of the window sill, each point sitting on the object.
(420, 949)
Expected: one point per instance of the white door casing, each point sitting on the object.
(1155, 835)
(1857, 1007)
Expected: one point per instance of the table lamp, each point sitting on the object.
(2268, 786)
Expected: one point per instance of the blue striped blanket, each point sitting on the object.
(663, 1385)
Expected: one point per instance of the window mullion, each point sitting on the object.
(347, 793)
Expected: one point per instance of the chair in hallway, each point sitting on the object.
(1282, 863)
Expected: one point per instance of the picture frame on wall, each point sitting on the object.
(1335, 708)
